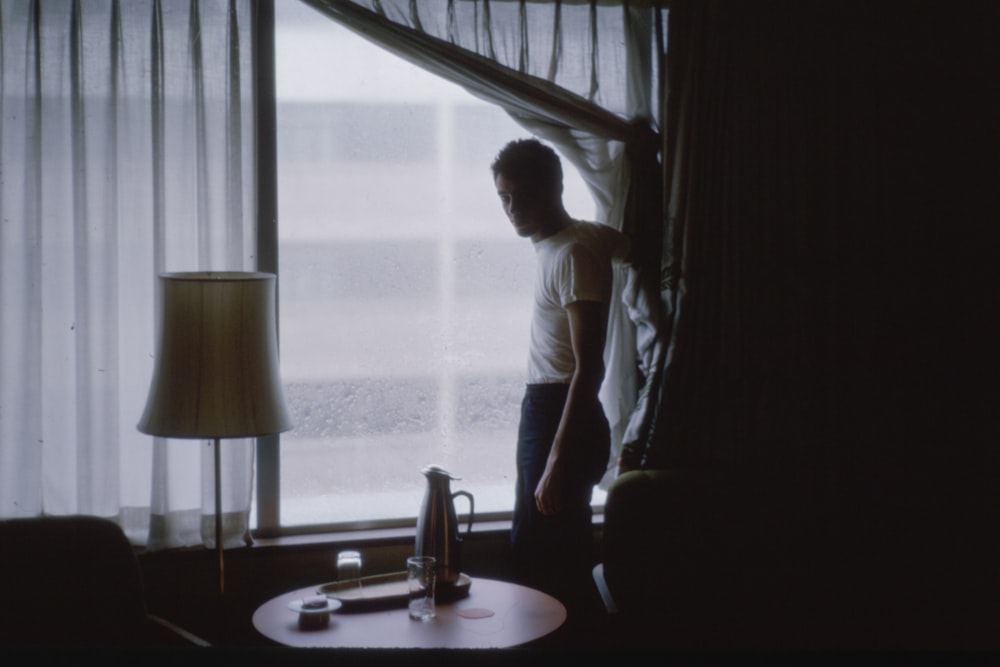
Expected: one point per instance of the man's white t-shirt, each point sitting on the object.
(573, 265)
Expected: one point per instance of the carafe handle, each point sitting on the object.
(472, 507)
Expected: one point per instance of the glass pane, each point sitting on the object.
(404, 294)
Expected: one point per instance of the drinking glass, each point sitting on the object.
(421, 573)
(349, 572)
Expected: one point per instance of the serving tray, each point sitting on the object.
(386, 590)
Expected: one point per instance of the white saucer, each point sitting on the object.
(331, 605)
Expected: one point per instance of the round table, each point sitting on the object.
(520, 615)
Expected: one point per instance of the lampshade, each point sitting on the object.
(216, 373)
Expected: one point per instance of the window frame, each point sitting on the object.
(268, 448)
(267, 472)
(268, 468)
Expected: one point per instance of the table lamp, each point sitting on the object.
(216, 369)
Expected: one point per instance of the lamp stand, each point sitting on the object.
(218, 514)
(216, 373)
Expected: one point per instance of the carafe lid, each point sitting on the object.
(438, 471)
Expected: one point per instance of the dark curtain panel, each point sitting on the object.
(829, 168)
(757, 133)
(825, 163)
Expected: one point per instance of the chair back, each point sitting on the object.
(68, 580)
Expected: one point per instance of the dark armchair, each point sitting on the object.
(718, 558)
(75, 581)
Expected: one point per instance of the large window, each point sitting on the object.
(404, 294)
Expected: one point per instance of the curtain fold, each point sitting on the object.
(765, 160)
(578, 75)
(827, 177)
(126, 149)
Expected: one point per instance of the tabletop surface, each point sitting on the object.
(519, 615)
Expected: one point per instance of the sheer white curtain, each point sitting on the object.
(126, 149)
(582, 75)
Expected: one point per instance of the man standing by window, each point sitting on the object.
(563, 437)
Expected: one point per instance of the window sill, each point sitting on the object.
(367, 537)
(374, 536)
(389, 535)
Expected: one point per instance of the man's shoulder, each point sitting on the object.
(605, 238)
(584, 238)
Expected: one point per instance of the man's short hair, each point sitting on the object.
(531, 161)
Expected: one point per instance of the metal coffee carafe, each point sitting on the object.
(437, 524)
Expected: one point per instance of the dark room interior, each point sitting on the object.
(821, 473)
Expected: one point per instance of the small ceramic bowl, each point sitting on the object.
(312, 616)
